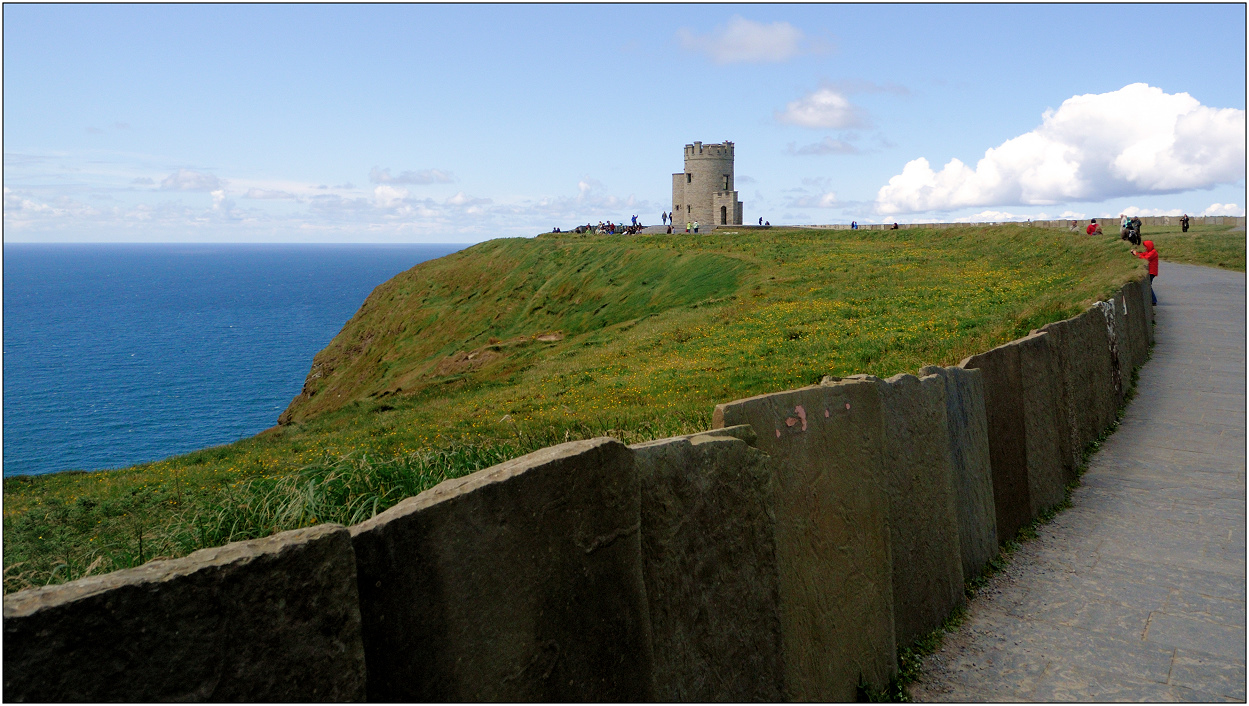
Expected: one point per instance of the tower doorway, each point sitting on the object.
(724, 215)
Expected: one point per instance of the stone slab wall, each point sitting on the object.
(274, 619)
(1044, 412)
(1003, 404)
(968, 441)
(521, 582)
(783, 555)
(832, 537)
(709, 563)
(918, 477)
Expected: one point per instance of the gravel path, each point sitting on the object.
(1136, 593)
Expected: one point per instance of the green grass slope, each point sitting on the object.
(476, 314)
(513, 345)
(1212, 246)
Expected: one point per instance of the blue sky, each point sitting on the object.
(460, 123)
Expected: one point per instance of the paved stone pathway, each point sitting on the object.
(1136, 593)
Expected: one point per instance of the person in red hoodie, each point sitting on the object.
(1150, 256)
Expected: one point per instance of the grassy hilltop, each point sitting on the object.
(515, 344)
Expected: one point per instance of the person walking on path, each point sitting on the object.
(1150, 256)
(688, 225)
(695, 226)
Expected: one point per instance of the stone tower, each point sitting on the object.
(704, 191)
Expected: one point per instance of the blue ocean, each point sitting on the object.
(121, 354)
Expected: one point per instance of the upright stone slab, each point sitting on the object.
(521, 582)
(709, 562)
(274, 619)
(1137, 327)
(1086, 355)
(1068, 436)
(968, 438)
(832, 538)
(923, 522)
(1003, 404)
(1045, 423)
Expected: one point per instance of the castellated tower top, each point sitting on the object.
(705, 191)
(714, 151)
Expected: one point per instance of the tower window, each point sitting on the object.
(689, 178)
(724, 215)
(726, 183)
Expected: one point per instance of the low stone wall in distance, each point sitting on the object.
(784, 555)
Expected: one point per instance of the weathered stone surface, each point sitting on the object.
(969, 455)
(272, 619)
(1137, 326)
(709, 562)
(1070, 446)
(521, 582)
(832, 539)
(1093, 399)
(1004, 409)
(923, 521)
(1045, 423)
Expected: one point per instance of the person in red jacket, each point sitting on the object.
(1094, 228)
(1150, 256)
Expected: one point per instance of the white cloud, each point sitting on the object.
(826, 146)
(463, 199)
(1134, 141)
(825, 107)
(1004, 216)
(388, 196)
(743, 40)
(825, 200)
(187, 180)
(1134, 211)
(425, 176)
(1223, 209)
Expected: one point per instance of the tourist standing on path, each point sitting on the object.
(1184, 222)
(688, 225)
(663, 216)
(1151, 256)
(760, 220)
(695, 226)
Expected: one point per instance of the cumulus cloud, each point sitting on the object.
(825, 107)
(1134, 211)
(1137, 140)
(1004, 216)
(187, 180)
(1223, 209)
(388, 196)
(462, 199)
(743, 40)
(425, 176)
(826, 146)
